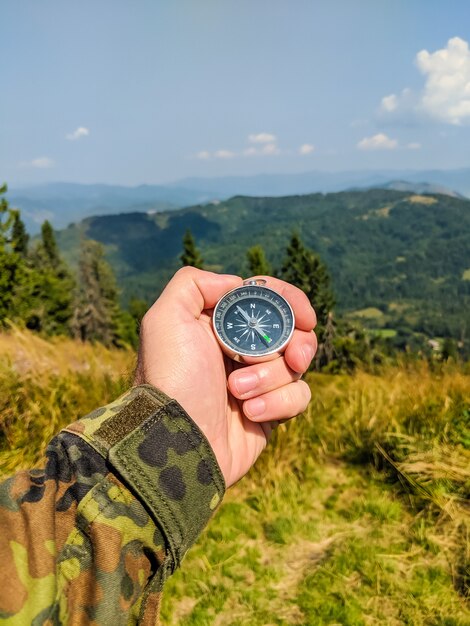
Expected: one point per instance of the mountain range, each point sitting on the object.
(65, 203)
(399, 261)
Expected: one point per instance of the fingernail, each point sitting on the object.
(245, 383)
(308, 352)
(255, 407)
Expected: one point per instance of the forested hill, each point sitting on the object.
(397, 260)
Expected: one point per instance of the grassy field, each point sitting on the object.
(357, 514)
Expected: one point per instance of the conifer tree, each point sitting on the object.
(48, 289)
(6, 217)
(257, 262)
(11, 264)
(19, 236)
(36, 287)
(137, 308)
(191, 255)
(304, 269)
(97, 315)
(49, 243)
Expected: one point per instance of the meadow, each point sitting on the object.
(358, 512)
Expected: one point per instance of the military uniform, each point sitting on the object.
(92, 538)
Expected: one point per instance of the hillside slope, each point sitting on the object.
(397, 259)
(356, 514)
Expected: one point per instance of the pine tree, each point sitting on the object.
(35, 286)
(7, 217)
(97, 315)
(449, 350)
(327, 348)
(191, 255)
(11, 264)
(137, 308)
(257, 262)
(49, 243)
(19, 236)
(304, 269)
(48, 288)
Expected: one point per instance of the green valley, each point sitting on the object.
(399, 261)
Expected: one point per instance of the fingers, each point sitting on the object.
(305, 317)
(282, 403)
(255, 380)
(301, 350)
(191, 290)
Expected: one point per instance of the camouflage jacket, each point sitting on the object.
(92, 538)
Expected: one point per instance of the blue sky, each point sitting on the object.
(151, 91)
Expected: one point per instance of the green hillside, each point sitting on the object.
(398, 261)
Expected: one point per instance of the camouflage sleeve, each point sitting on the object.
(91, 538)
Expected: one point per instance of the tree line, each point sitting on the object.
(39, 291)
(341, 344)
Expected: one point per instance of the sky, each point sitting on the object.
(153, 91)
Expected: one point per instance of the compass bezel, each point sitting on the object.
(245, 355)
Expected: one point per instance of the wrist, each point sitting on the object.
(161, 455)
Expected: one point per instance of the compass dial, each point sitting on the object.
(253, 320)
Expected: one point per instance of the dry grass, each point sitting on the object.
(47, 384)
(418, 199)
(27, 353)
(358, 512)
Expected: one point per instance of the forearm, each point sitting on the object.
(125, 492)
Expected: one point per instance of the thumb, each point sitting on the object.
(191, 291)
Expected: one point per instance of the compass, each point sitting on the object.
(253, 321)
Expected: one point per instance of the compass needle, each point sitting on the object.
(244, 313)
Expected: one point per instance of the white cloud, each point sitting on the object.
(396, 104)
(306, 148)
(79, 132)
(377, 142)
(270, 149)
(224, 154)
(446, 93)
(266, 146)
(41, 163)
(205, 155)
(389, 103)
(251, 151)
(413, 145)
(262, 138)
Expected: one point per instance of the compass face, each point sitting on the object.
(253, 321)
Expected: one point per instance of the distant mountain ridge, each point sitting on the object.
(318, 181)
(63, 203)
(420, 188)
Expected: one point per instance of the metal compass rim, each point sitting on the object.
(245, 353)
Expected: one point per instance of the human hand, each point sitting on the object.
(233, 405)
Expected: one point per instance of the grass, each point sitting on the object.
(370, 313)
(357, 514)
(45, 385)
